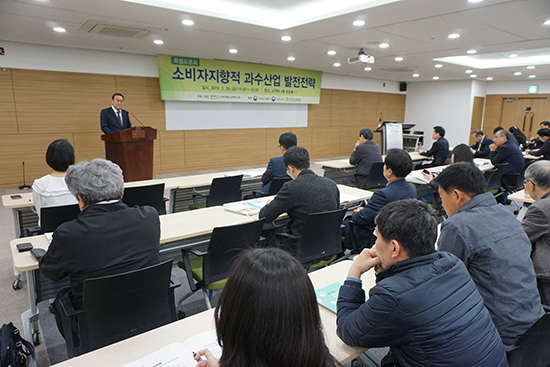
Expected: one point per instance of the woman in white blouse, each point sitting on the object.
(51, 189)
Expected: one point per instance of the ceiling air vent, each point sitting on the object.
(95, 27)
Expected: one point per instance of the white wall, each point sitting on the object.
(41, 57)
(519, 87)
(448, 104)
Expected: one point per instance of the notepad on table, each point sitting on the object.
(249, 208)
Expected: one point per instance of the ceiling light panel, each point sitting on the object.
(293, 14)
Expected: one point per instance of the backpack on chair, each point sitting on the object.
(13, 346)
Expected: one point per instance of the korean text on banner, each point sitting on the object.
(191, 79)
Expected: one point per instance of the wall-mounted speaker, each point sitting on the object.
(403, 86)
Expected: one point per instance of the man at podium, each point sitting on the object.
(114, 118)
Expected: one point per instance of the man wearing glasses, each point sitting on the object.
(537, 219)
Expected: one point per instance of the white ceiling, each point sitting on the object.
(415, 30)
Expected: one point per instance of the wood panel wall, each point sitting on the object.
(38, 107)
(498, 112)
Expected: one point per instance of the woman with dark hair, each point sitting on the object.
(268, 315)
(51, 190)
(520, 137)
(544, 151)
(462, 153)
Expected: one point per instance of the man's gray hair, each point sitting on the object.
(95, 181)
(539, 173)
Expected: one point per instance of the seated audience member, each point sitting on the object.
(366, 153)
(424, 305)
(537, 219)
(51, 190)
(512, 138)
(276, 167)
(489, 239)
(306, 193)
(397, 166)
(504, 151)
(481, 147)
(536, 143)
(544, 150)
(263, 321)
(107, 238)
(518, 134)
(439, 149)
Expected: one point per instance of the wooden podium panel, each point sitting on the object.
(132, 150)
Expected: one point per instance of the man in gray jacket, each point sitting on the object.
(366, 153)
(537, 219)
(490, 241)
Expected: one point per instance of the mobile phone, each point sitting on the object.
(16, 197)
(426, 171)
(22, 247)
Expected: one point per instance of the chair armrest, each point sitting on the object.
(174, 282)
(70, 316)
(187, 265)
(287, 235)
(194, 251)
(33, 231)
(200, 193)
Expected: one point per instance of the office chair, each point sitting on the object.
(209, 270)
(375, 178)
(533, 346)
(321, 239)
(222, 190)
(488, 175)
(520, 178)
(274, 188)
(152, 195)
(356, 246)
(52, 217)
(117, 307)
(495, 183)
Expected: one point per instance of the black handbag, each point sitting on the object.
(14, 350)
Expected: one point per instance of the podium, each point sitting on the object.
(132, 150)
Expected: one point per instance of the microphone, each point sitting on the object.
(130, 113)
(24, 186)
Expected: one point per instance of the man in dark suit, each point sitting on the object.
(306, 193)
(366, 153)
(107, 238)
(439, 150)
(505, 151)
(276, 167)
(397, 166)
(536, 223)
(536, 143)
(481, 147)
(114, 118)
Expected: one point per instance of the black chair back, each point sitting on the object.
(533, 350)
(321, 236)
(53, 216)
(152, 195)
(376, 178)
(225, 244)
(521, 175)
(276, 185)
(224, 190)
(489, 174)
(124, 305)
(495, 182)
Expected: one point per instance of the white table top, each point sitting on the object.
(521, 196)
(344, 163)
(529, 156)
(482, 163)
(118, 354)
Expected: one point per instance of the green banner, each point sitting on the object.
(191, 79)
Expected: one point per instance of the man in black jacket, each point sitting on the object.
(107, 238)
(439, 150)
(424, 305)
(481, 147)
(306, 193)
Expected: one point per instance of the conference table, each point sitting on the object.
(524, 199)
(118, 354)
(417, 177)
(178, 230)
(336, 169)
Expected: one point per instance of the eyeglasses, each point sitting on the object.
(525, 182)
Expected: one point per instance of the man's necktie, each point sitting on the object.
(119, 119)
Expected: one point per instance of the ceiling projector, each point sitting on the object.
(361, 57)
